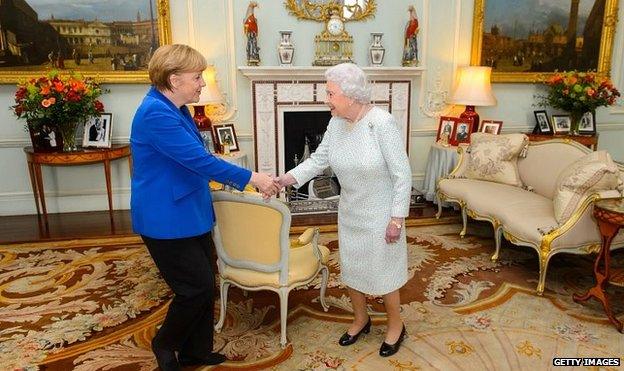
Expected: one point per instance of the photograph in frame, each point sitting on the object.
(587, 126)
(111, 40)
(461, 132)
(561, 124)
(445, 127)
(522, 44)
(97, 131)
(542, 123)
(226, 135)
(491, 126)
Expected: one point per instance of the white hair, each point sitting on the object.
(351, 80)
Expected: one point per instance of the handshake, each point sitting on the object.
(269, 185)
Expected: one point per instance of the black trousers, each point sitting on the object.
(186, 266)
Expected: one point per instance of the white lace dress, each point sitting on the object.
(371, 164)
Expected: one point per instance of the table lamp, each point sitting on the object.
(473, 89)
(210, 95)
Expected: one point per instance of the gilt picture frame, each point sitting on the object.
(90, 38)
(526, 47)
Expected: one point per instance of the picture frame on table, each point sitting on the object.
(97, 131)
(111, 41)
(445, 127)
(561, 124)
(519, 49)
(461, 131)
(226, 135)
(491, 127)
(542, 123)
(587, 125)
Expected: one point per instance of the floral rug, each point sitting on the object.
(96, 304)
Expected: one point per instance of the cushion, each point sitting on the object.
(494, 157)
(595, 171)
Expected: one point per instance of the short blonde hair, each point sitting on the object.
(170, 59)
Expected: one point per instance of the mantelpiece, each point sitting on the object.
(276, 90)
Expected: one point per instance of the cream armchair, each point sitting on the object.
(255, 253)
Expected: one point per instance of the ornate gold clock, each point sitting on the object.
(333, 45)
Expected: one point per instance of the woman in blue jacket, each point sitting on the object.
(171, 204)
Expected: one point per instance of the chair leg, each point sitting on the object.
(325, 273)
(498, 235)
(224, 292)
(283, 295)
(464, 221)
(439, 213)
(543, 266)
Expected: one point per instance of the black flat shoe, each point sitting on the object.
(387, 350)
(166, 359)
(347, 339)
(210, 360)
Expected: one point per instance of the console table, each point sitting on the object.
(609, 215)
(590, 141)
(83, 156)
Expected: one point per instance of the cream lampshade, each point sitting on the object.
(473, 89)
(210, 95)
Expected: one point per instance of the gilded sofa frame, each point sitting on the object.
(543, 249)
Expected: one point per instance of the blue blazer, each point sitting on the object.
(170, 195)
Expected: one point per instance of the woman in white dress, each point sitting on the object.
(363, 146)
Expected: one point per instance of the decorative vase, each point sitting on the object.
(575, 122)
(285, 50)
(376, 50)
(68, 136)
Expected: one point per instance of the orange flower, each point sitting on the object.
(45, 89)
(58, 86)
(46, 103)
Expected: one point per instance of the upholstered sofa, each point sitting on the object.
(525, 213)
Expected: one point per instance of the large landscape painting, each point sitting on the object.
(525, 40)
(113, 39)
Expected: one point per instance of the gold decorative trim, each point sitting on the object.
(320, 12)
(604, 56)
(115, 77)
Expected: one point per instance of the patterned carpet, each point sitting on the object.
(95, 305)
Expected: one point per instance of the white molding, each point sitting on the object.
(230, 52)
(268, 73)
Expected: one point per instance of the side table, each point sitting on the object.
(590, 141)
(442, 160)
(610, 217)
(83, 156)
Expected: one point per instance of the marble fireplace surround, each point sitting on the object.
(277, 90)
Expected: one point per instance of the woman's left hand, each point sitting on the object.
(393, 230)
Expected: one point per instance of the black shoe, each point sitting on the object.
(347, 339)
(211, 360)
(166, 359)
(387, 350)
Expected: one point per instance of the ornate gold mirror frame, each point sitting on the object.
(320, 11)
(14, 74)
(604, 53)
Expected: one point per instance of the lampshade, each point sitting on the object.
(210, 93)
(474, 88)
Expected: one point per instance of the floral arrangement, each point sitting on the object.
(579, 92)
(64, 101)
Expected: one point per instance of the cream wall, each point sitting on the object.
(215, 28)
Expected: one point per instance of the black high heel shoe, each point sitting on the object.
(347, 339)
(387, 350)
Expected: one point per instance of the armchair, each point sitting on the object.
(255, 253)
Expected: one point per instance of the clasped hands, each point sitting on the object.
(270, 186)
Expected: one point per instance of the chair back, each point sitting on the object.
(251, 233)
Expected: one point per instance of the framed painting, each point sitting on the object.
(526, 42)
(226, 138)
(112, 41)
